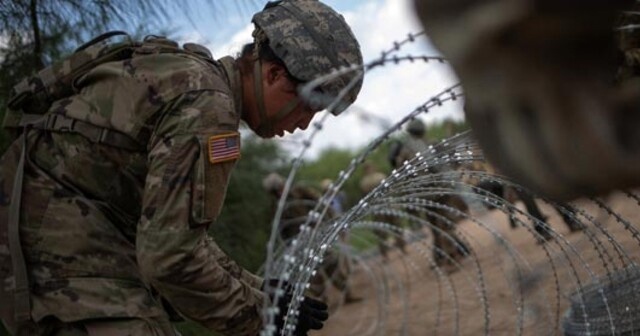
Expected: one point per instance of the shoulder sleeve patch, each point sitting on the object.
(224, 147)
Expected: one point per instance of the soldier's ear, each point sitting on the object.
(276, 74)
(273, 72)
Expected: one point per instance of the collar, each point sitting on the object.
(233, 76)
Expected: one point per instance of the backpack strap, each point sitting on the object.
(96, 134)
(101, 38)
(36, 93)
(21, 296)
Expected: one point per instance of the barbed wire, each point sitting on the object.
(532, 279)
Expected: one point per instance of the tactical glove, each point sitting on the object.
(312, 313)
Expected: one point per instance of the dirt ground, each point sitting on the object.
(511, 285)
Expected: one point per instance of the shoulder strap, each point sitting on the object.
(32, 97)
(36, 93)
(61, 123)
(22, 300)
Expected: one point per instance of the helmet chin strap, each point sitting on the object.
(266, 124)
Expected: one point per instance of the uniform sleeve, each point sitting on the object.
(183, 194)
(404, 155)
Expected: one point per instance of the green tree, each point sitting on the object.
(36, 33)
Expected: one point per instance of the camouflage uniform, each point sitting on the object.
(445, 238)
(335, 268)
(409, 148)
(550, 99)
(112, 232)
(300, 201)
(370, 180)
(108, 232)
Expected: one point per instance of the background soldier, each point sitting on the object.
(370, 180)
(513, 194)
(337, 202)
(335, 268)
(445, 239)
(300, 201)
(414, 143)
(114, 184)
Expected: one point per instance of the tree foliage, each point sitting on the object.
(36, 33)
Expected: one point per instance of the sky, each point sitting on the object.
(388, 93)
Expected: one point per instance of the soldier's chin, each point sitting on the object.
(264, 132)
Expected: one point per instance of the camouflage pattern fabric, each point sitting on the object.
(106, 232)
(409, 148)
(300, 201)
(539, 82)
(36, 93)
(369, 181)
(312, 40)
(105, 327)
(445, 239)
(334, 269)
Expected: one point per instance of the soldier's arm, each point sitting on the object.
(183, 194)
(404, 155)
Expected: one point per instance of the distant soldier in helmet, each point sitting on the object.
(335, 268)
(122, 164)
(413, 144)
(300, 200)
(446, 241)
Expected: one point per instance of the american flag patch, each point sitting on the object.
(224, 147)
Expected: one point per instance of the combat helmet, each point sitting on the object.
(312, 40)
(273, 182)
(416, 128)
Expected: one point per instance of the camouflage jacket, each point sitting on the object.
(299, 202)
(370, 181)
(106, 231)
(409, 148)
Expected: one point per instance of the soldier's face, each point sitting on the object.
(279, 90)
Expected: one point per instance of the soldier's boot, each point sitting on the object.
(349, 297)
(543, 235)
(573, 223)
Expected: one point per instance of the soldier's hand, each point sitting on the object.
(270, 286)
(313, 313)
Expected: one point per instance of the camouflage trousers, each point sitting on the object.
(334, 270)
(447, 245)
(103, 327)
(383, 236)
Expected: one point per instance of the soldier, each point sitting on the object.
(370, 180)
(445, 238)
(551, 87)
(414, 143)
(116, 177)
(513, 194)
(337, 202)
(300, 201)
(335, 267)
